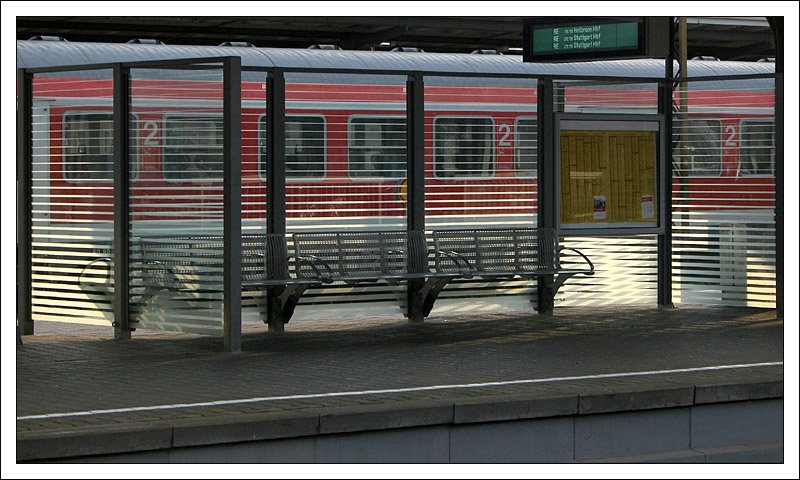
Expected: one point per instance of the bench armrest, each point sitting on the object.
(464, 267)
(313, 261)
(591, 265)
(89, 266)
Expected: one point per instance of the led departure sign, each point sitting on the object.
(586, 37)
(547, 40)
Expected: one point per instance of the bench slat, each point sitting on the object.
(361, 256)
(497, 252)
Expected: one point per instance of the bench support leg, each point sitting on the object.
(274, 319)
(281, 302)
(548, 288)
(421, 296)
(546, 295)
(414, 301)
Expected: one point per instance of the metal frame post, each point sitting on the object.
(232, 200)
(276, 174)
(24, 202)
(776, 24)
(415, 178)
(276, 152)
(122, 330)
(664, 249)
(415, 141)
(546, 184)
(546, 153)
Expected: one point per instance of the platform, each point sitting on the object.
(368, 390)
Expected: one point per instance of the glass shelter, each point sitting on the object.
(152, 179)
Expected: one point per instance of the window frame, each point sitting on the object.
(492, 142)
(752, 121)
(262, 157)
(517, 147)
(169, 116)
(351, 139)
(692, 171)
(133, 158)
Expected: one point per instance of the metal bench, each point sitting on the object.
(182, 268)
(191, 265)
(153, 265)
(265, 266)
(357, 258)
(181, 263)
(497, 254)
(166, 262)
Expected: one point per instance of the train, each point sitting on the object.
(346, 138)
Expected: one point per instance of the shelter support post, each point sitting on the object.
(546, 167)
(232, 200)
(415, 140)
(122, 328)
(415, 164)
(665, 110)
(24, 202)
(776, 23)
(276, 174)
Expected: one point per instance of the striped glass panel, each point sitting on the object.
(254, 207)
(345, 170)
(345, 153)
(480, 153)
(625, 266)
(585, 97)
(73, 193)
(626, 271)
(176, 202)
(723, 193)
(480, 172)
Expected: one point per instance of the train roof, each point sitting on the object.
(37, 53)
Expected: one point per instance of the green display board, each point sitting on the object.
(585, 38)
(564, 39)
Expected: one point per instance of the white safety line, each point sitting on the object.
(390, 390)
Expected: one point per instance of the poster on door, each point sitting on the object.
(599, 207)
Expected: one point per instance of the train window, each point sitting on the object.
(463, 147)
(757, 147)
(305, 146)
(88, 152)
(193, 147)
(525, 141)
(377, 147)
(699, 146)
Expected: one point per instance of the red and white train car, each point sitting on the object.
(345, 134)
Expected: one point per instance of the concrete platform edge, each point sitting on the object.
(65, 444)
